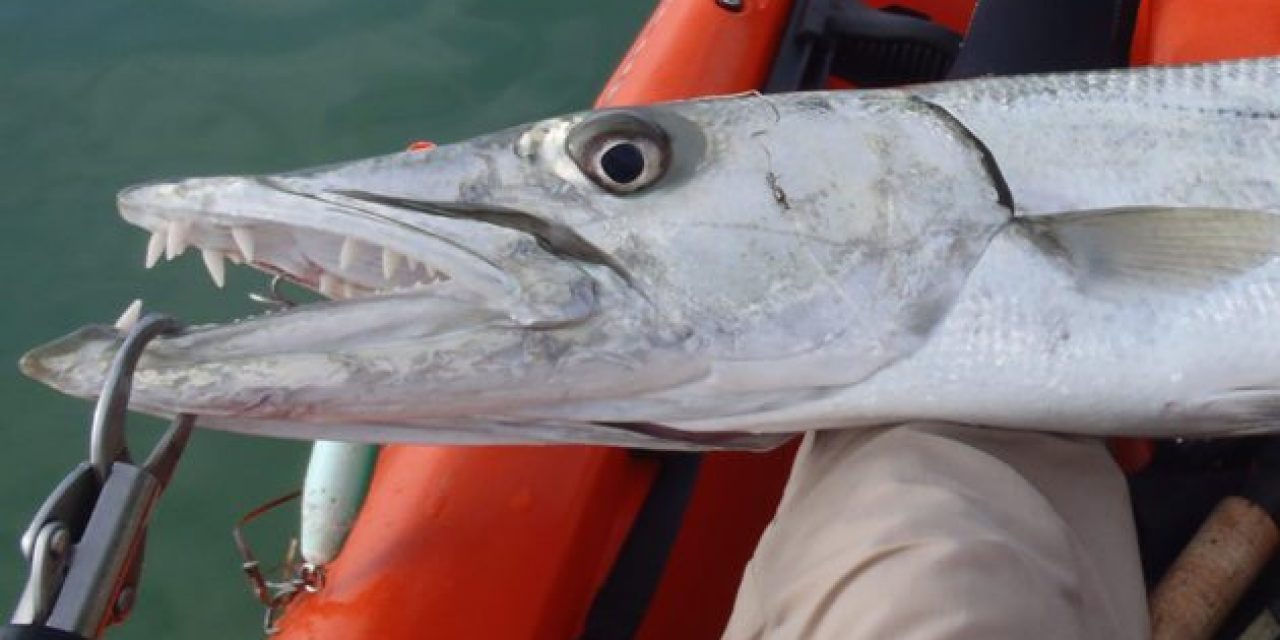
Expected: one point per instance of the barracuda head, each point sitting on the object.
(578, 279)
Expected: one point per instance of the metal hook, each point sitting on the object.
(107, 441)
(262, 588)
(274, 596)
(273, 297)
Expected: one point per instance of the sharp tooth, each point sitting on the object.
(348, 253)
(155, 246)
(390, 263)
(176, 239)
(428, 274)
(330, 285)
(130, 316)
(244, 240)
(213, 262)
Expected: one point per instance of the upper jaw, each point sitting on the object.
(319, 238)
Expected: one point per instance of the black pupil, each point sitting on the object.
(622, 163)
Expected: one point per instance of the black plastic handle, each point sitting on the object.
(36, 632)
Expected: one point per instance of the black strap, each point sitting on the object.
(1263, 484)
(621, 603)
(1041, 36)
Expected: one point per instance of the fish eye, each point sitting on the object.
(624, 165)
(621, 152)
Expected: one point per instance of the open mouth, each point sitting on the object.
(335, 266)
(462, 305)
(340, 245)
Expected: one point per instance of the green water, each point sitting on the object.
(99, 94)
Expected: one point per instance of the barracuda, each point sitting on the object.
(1087, 253)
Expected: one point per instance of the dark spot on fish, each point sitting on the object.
(473, 190)
(771, 178)
(817, 104)
(779, 196)
(925, 315)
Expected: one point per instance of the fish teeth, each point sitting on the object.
(348, 253)
(129, 318)
(244, 241)
(329, 285)
(391, 262)
(426, 271)
(176, 239)
(217, 269)
(429, 275)
(155, 246)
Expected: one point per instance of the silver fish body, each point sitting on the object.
(1088, 253)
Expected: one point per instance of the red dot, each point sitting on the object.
(422, 145)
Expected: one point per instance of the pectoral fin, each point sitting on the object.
(1158, 247)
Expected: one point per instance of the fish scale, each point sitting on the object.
(1091, 253)
(1213, 138)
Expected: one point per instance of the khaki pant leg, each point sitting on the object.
(937, 531)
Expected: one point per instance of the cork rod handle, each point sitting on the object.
(1214, 570)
